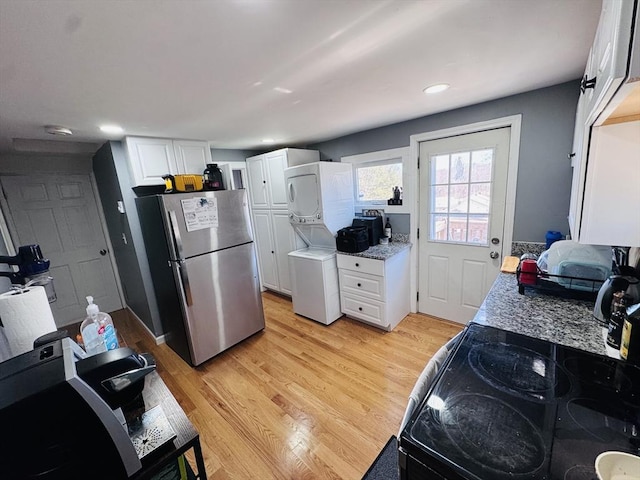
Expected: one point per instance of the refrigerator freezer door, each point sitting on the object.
(202, 222)
(221, 300)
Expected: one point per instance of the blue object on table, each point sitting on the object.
(552, 237)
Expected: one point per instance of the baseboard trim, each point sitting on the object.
(158, 340)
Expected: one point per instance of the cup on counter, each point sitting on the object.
(384, 240)
(528, 271)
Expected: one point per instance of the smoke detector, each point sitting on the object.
(57, 130)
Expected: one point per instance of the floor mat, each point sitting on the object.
(385, 466)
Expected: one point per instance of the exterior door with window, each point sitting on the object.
(463, 185)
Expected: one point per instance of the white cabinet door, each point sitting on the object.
(150, 159)
(275, 164)
(192, 156)
(285, 240)
(257, 178)
(612, 192)
(265, 249)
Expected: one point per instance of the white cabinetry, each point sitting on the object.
(375, 291)
(266, 175)
(151, 158)
(274, 235)
(609, 81)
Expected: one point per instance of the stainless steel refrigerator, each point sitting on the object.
(203, 264)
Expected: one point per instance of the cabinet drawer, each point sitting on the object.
(360, 264)
(364, 309)
(371, 286)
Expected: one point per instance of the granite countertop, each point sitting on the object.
(383, 252)
(536, 314)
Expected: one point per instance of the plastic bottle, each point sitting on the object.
(212, 177)
(616, 321)
(97, 330)
(387, 229)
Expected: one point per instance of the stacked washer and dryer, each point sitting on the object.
(320, 202)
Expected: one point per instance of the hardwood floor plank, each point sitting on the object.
(300, 400)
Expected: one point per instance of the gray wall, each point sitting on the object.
(108, 165)
(221, 155)
(544, 172)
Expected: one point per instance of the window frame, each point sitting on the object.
(382, 157)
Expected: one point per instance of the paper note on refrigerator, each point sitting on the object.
(200, 213)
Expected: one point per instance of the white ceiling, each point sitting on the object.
(211, 69)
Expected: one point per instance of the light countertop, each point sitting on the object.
(536, 314)
(383, 252)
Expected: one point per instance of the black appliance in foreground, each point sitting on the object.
(508, 406)
(55, 426)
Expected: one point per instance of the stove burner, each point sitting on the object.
(519, 371)
(581, 472)
(602, 372)
(492, 434)
(603, 422)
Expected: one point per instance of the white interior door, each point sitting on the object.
(463, 185)
(59, 213)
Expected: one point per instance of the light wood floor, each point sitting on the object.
(299, 400)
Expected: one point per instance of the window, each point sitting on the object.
(376, 174)
(375, 181)
(461, 196)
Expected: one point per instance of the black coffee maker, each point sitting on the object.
(624, 278)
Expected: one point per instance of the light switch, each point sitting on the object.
(120, 206)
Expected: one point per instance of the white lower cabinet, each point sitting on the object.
(375, 291)
(274, 239)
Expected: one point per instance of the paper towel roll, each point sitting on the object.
(25, 316)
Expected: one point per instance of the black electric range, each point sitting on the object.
(507, 406)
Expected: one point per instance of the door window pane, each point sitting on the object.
(481, 163)
(461, 196)
(460, 167)
(479, 198)
(440, 169)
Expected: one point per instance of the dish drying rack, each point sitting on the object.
(578, 288)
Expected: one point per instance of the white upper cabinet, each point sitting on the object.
(151, 158)
(192, 156)
(266, 175)
(609, 96)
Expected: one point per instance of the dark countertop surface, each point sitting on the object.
(548, 317)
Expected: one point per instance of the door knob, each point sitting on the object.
(103, 252)
(494, 255)
(495, 240)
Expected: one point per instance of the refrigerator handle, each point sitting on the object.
(184, 280)
(291, 193)
(175, 233)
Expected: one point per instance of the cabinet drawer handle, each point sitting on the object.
(587, 83)
(357, 264)
(359, 284)
(360, 308)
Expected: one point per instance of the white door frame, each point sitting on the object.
(514, 123)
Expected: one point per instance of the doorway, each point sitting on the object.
(466, 185)
(60, 213)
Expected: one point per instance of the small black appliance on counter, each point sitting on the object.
(352, 239)
(63, 421)
(374, 228)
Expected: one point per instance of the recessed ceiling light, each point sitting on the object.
(268, 140)
(283, 90)
(57, 130)
(437, 88)
(111, 129)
